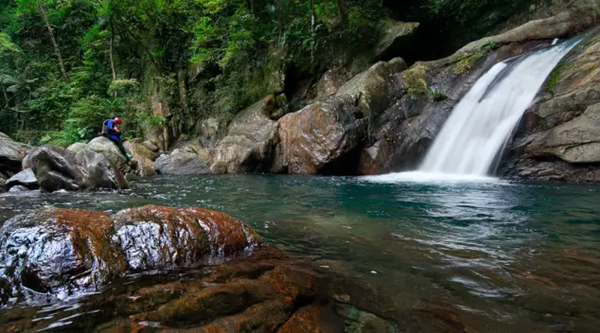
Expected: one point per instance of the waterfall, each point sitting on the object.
(481, 123)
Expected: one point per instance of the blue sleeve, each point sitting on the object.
(109, 124)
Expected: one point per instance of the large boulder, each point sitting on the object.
(12, 154)
(143, 156)
(56, 169)
(251, 141)
(77, 147)
(321, 137)
(325, 137)
(557, 139)
(63, 252)
(182, 163)
(24, 178)
(104, 164)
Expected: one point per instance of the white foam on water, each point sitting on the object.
(428, 177)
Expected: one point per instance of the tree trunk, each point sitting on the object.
(313, 20)
(342, 9)
(112, 59)
(61, 64)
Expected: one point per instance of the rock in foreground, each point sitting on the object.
(63, 252)
(267, 292)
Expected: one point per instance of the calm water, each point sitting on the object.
(503, 257)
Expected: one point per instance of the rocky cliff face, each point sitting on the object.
(559, 135)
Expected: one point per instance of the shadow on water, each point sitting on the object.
(499, 256)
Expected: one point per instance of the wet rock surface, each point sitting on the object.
(268, 292)
(56, 169)
(25, 178)
(54, 254)
(557, 138)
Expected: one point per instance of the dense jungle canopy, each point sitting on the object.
(67, 64)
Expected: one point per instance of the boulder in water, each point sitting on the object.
(62, 252)
(181, 163)
(321, 137)
(104, 164)
(24, 178)
(144, 158)
(58, 252)
(327, 136)
(56, 169)
(159, 238)
(18, 189)
(12, 154)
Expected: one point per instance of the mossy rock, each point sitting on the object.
(415, 81)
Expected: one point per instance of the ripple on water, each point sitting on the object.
(502, 255)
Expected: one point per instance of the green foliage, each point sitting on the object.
(192, 58)
(493, 45)
(554, 77)
(438, 96)
(6, 45)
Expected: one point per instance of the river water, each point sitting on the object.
(499, 256)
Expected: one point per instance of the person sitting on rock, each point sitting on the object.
(112, 132)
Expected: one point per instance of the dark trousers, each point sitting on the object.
(119, 144)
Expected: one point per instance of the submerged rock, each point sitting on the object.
(63, 252)
(56, 169)
(25, 178)
(18, 189)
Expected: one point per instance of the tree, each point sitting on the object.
(61, 63)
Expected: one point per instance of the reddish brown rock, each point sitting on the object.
(154, 237)
(305, 320)
(59, 251)
(319, 137)
(64, 252)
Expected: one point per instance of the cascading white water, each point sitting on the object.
(481, 123)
